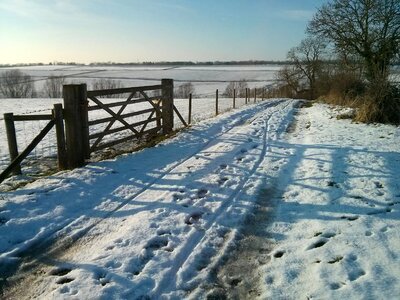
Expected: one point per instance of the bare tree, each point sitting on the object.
(184, 90)
(291, 78)
(16, 84)
(53, 86)
(369, 29)
(239, 86)
(307, 62)
(107, 84)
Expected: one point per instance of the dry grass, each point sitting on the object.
(378, 103)
(384, 111)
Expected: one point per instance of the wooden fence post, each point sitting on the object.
(216, 102)
(12, 140)
(76, 124)
(247, 91)
(255, 95)
(167, 105)
(190, 109)
(61, 149)
(234, 98)
(263, 95)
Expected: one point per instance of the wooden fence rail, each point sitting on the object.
(56, 119)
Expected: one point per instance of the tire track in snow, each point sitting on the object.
(55, 241)
(147, 186)
(168, 282)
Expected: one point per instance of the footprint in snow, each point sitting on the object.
(368, 233)
(336, 285)
(279, 254)
(194, 217)
(335, 260)
(317, 244)
(386, 228)
(163, 232)
(201, 193)
(355, 274)
(349, 218)
(222, 180)
(380, 211)
(332, 184)
(64, 280)
(177, 197)
(136, 265)
(378, 185)
(102, 278)
(186, 203)
(156, 243)
(61, 271)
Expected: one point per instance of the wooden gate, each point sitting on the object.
(86, 111)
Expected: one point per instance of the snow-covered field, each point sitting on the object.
(308, 209)
(205, 79)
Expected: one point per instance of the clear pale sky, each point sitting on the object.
(150, 30)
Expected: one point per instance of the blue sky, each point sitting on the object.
(150, 30)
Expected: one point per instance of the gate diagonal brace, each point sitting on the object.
(98, 140)
(113, 114)
(156, 110)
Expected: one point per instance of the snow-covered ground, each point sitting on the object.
(312, 210)
(337, 224)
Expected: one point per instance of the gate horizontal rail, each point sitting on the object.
(123, 90)
(115, 104)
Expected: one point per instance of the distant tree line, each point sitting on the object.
(158, 63)
(16, 84)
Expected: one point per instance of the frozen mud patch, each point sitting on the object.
(238, 277)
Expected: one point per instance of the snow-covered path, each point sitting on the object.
(152, 223)
(242, 207)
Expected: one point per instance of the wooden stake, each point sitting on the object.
(12, 141)
(234, 98)
(61, 148)
(190, 109)
(216, 102)
(167, 105)
(76, 126)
